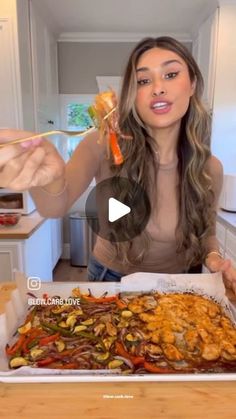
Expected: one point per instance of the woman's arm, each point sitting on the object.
(55, 199)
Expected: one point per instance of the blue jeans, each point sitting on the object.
(99, 272)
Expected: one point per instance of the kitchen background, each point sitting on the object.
(55, 57)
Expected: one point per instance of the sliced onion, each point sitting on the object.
(98, 310)
(151, 356)
(71, 340)
(122, 334)
(138, 333)
(82, 363)
(78, 350)
(83, 353)
(125, 360)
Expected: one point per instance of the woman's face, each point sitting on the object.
(164, 88)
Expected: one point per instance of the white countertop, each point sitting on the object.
(227, 218)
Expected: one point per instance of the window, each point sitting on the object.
(75, 117)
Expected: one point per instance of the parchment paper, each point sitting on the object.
(209, 285)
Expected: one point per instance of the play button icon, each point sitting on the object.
(117, 209)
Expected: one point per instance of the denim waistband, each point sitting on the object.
(98, 272)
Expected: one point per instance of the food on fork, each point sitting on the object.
(105, 117)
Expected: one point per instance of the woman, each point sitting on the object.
(169, 156)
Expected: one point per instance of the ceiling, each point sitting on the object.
(128, 16)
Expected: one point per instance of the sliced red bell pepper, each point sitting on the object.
(16, 347)
(45, 361)
(96, 299)
(150, 367)
(121, 304)
(100, 299)
(49, 339)
(120, 350)
(26, 343)
(115, 148)
(31, 336)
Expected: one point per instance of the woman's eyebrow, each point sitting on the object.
(170, 62)
(164, 64)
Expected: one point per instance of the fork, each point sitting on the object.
(58, 131)
(46, 134)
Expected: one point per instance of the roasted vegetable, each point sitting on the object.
(146, 333)
(18, 362)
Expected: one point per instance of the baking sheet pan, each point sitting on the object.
(15, 313)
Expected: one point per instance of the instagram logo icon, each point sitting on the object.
(33, 283)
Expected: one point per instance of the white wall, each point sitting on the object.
(26, 76)
(7, 8)
(79, 63)
(224, 113)
(16, 81)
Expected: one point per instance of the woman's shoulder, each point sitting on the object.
(214, 167)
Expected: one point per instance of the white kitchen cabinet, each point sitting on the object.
(230, 247)
(11, 257)
(16, 93)
(56, 239)
(227, 240)
(221, 236)
(45, 69)
(9, 115)
(204, 51)
(37, 253)
(35, 256)
(224, 115)
(28, 67)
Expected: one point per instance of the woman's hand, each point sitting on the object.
(29, 164)
(215, 263)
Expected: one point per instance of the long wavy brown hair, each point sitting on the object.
(140, 158)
